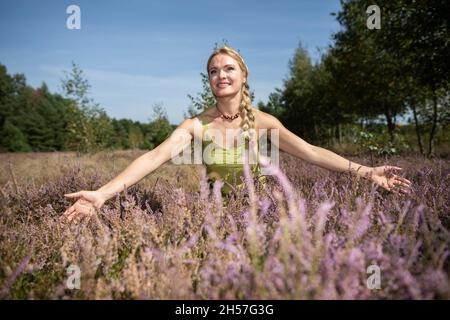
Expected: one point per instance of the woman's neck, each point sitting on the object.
(229, 105)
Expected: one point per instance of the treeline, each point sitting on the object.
(38, 120)
(373, 76)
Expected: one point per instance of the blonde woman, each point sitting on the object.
(219, 129)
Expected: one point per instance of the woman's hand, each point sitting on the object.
(86, 206)
(384, 177)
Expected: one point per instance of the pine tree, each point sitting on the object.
(13, 139)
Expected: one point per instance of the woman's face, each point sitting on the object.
(225, 76)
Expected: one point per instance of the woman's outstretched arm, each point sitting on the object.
(327, 159)
(138, 169)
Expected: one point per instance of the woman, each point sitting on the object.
(233, 113)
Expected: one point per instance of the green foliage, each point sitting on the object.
(76, 87)
(298, 114)
(89, 125)
(404, 65)
(308, 104)
(376, 143)
(203, 100)
(159, 128)
(401, 69)
(38, 120)
(274, 105)
(417, 34)
(371, 142)
(13, 139)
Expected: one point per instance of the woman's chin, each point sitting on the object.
(224, 94)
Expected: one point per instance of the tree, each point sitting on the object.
(308, 103)
(299, 114)
(135, 137)
(88, 126)
(369, 78)
(159, 127)
(274, 105)
(416, 33)
(103, 130)
(203, 100)
(403, 65)
(13, 139)
(11, 87)
(76, 87)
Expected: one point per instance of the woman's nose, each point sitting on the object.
(222, 74)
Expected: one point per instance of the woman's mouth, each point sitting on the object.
(223, 85)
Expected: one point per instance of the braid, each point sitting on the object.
(248, 121)
(248, 118)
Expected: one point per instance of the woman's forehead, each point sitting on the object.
(221, 59)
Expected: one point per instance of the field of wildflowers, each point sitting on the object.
(309, 234)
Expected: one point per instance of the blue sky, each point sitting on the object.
(137, 53)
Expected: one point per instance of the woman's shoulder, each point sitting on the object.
(205, 116)
(265, 120)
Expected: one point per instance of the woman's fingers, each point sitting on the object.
(79, 210)
(392, 168)
(66, 214)
(74, 194)
(391, 188)
(405, 191)
(77, 218)
(83, 216)
(69, 211)
(387, 186)
(392, 182)
(400, 188)
(71, 216)
(403, 180)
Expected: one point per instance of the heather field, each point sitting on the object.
(309, 234)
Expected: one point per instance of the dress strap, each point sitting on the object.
(203, 122)
(201, 119)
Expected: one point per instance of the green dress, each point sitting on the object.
(227, 164)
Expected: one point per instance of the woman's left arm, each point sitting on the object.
(294, 145)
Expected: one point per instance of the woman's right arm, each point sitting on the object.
(138, 169)
(149, 161)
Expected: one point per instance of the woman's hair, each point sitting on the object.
(248, 118)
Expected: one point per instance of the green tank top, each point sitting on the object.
(227, 164)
